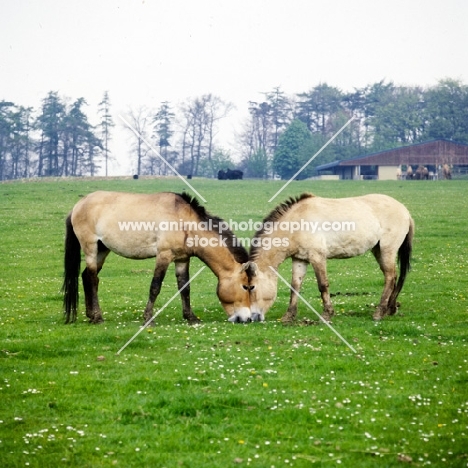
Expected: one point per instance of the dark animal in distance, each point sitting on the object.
(230, 174)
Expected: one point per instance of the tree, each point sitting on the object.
(346, 145)
(21, 142)
(201, 116)
(162, 133)
(255, 138)
(50, 125)
(318, 106)
(5, 137)
(289, 156)
(216, 110)
(220, 160)
(195, 124)
(280, 109)
(257, 165)
(105, 127)
(76, 130)
(140, 120)
(394, 115)
(15, 141)
(260, 127)
(447, 111)
(268, 119)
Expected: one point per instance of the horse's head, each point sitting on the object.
(233, 293)
(263, 287)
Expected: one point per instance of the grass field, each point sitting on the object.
(221, 394)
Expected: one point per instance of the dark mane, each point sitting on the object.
(234, 246)
(275, 216)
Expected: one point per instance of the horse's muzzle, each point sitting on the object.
(243, 315)
(237, 319)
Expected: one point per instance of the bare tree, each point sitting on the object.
(199, 128)
(216, 109)
(140, 119)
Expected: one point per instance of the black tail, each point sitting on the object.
(404, 260)
(72, 261)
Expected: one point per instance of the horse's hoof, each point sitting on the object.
(287, 319)
(379, 313)
(148, 323)
(96, 321)
(327, 315)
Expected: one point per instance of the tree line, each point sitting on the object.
(283, 134)
(58, 140)
(280, 134)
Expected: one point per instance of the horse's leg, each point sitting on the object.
(299, 270)
(182, 275)
(387, 264)
(162, 264)
(320, 269)
(94, 261)
(90, 286)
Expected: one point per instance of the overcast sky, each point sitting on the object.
(146, 52)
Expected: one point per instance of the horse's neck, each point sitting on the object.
(218, 258)
(270, 257)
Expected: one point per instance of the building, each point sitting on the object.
(393, 164)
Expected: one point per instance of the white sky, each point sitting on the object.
(146, 52)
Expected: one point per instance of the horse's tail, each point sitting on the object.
(72, 261)
(404, 259)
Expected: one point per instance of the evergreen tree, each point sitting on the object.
(50, 123)
(21, 142)
(105, 126)
(317, 107)
(163, 132)
(5, 137)
(289, 156)
(447, 111)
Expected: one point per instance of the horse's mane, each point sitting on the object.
(235, 247)
(274, 216)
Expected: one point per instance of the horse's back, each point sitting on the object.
(126, 206)
(389, 211)
(127, 223)
(346, 227)
(382, 207)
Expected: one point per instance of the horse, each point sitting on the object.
(169, 226)
(422, 173)
(446, 172)
(409, 172)
(312, 229)
(230, 174)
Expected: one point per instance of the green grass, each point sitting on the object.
(222, 395)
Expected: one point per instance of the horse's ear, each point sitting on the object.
(245, 266)
(250, 267)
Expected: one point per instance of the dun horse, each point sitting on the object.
(312, 229)
(172, 227)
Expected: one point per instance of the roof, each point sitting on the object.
(434, 152)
